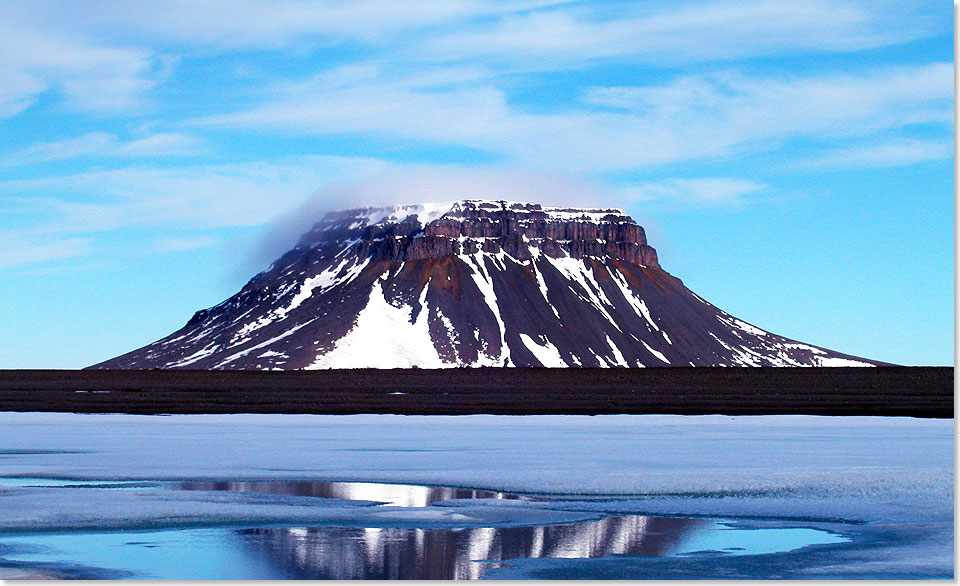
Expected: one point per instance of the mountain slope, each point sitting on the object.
(470, 283)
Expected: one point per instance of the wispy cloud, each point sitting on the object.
(681, 32)
(19, 252)
(105, 144)
(182, 243)
(708, 191)
(195, 196)
(258, 24)
(892, 153)
(415, 74)
(749, 107)
(17, 91)
(687, 118)
(91, 77)
(529, 32)
(42, 226)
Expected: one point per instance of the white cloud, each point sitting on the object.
(182, 243)
(196, 196)
(230, 24)
(892, 153)
(366, 100)
(41, 152)
(162, 144)
(105, 56)
(56, 217)
(688, 118)
(441, 183)
(681, 32)
(446, 73)
(17, 252)
(17, 90)
(91, 77)
(749, 108)
(701, 191)
(104, 144)
(537, 31)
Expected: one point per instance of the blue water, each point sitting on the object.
(383, 553)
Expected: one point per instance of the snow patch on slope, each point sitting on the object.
(540, 282)
(576, 271)
(324, 281)
(635, 302)
(654, 352)
(243, 353)
(334, 275)
(617, 355)
(547, 354)
(836, 361)
(196, 356)
(740, 357)
(741, 325)
(384, 337)
(484, 281)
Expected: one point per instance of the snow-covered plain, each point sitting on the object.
(885, 483)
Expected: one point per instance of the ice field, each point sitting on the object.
(619, 496)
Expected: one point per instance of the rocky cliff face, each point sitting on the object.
(470, 227)
(470, 283)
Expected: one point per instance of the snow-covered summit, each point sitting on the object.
(368, 216)
(421, 214)
(427, 212)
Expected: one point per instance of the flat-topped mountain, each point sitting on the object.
(470, 283)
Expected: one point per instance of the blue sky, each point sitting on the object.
(791, 161)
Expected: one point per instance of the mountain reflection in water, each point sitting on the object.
(400, 495)
(340, 553)
(344, 553)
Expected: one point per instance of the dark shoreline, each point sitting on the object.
(891, 391)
